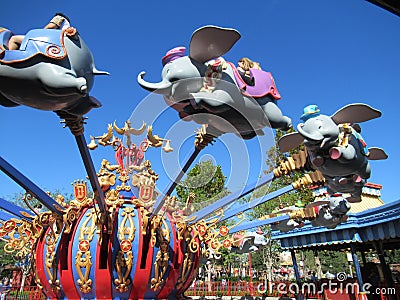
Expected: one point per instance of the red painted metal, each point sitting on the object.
(142, 275)
(66, 277)
(103, 276)
(40, 267)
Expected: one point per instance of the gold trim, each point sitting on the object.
(123, 263)
(160, 265)
(83, 258)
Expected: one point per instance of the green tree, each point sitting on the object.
(206, 181)
(333, 261)
(228, 260)
(7, 262)
(267, 258)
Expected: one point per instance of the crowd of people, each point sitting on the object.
(5, 285)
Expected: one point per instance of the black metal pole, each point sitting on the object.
(231, 198)
(160, 200)
(358, 269)
(297, 274)
(91, 172)
(30, 187)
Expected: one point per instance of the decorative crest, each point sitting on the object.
(129, 154)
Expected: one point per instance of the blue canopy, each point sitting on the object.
(380, 223)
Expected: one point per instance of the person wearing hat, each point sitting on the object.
(59, 21)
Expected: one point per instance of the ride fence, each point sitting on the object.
(319, 290)
(240, 289)
(27, 293)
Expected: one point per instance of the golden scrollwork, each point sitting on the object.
(113, 201)
(181, 229)
(160, 234)
(105, 175)
(156, 141)
(83, 259)
(145, 215)
(37, 279)
(127, 229)
(126, 235)
(155, 224)
(191, 236)
(20, 236)
(206, 233)
(186, 266)
(203, 138)
(50, 263)
(123, 266)
(69, 217)
(51, 269)
(160, 265)
(124, 178)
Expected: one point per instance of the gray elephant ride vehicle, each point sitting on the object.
(52, 70)
(203, 87)
(335, 147)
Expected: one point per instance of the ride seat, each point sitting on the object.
(5, 36)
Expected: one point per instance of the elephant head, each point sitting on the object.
(56, 69)
(206, 43)
(332, 214)
(320, 132)
(339, 205)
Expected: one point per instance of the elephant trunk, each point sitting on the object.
(97, 72)
(163, 87)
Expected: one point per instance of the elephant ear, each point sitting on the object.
(318, 203)
(290, 141)
(376, 153)
(355, 113)
(210, 42)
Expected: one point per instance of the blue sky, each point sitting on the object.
(329, 53)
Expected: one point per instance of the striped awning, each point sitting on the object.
(330, 237)
(381, 223)
(388, 230)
